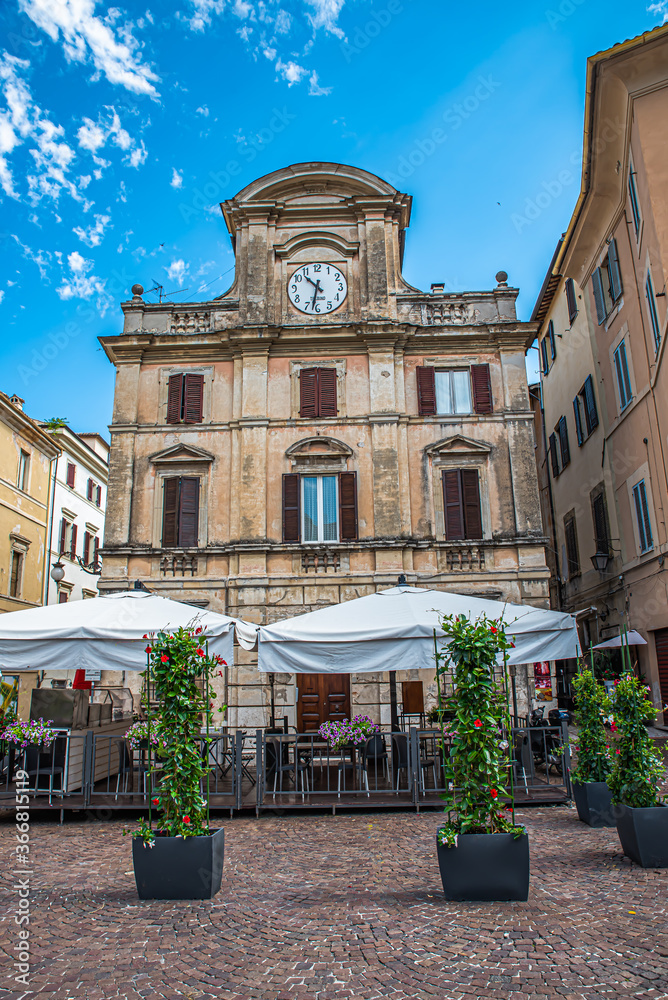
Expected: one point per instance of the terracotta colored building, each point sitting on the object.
(602, 315)
(320, 429)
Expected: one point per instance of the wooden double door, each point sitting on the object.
(322, 698)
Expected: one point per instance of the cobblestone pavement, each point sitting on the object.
(339, 907)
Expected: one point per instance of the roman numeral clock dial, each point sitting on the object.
(317, 288)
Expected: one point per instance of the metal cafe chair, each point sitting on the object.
(400, 758)
(375, 750)
(46, 764)
(281, 764)
(355, 765)
(520, 751)
(127, 769)
(427, 761)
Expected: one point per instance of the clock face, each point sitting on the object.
(317, 288)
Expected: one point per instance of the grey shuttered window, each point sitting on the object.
(599, 296)
(544, 363)
(614, 272)
(552, 341)
(571, 300)
(562, 433)
(642, 517)
(599, 510)
(578, 420)
(572, 551)
(554, 455)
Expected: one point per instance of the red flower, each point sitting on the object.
(155, 802)
(148, 649)
(200, 652)
(198, 630)
(512, 645)
(478, 724)
(145, 636)
(493, 792)
(164, 659)
(493, 630)
(186, 819)
(220, 673)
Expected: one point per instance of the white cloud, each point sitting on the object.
(325, 15)
(79, 283)
(111, 48)
(291, 71)
(94, 136)
(23, 121)
(315, 90)
(177, 271)
(659, 9)
(283, 23)
(137, 156)
(177, 178)
(2, 295)
(202, 111)
(42, 258)
(203, 12)
(94, 235)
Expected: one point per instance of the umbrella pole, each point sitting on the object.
(394, 714)
(208, 745)
(148, 731)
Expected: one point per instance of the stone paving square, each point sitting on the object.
(327, 908)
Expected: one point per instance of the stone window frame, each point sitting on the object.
(165, 371)
(642, 474)
(469, 455)
(185, 462)
(19, 544)
(339, 364)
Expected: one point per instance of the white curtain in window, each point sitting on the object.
(310, 508)
(453, 392)
(329, 533)
(461, 391)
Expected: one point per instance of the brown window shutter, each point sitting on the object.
(170, 507)
(348, 506)
(96, 549)
(86, 547)
(193, 399)
(70, 473)
(453, 506)
(63, 535)
(189, 512)
(89, 492)
(327, 392)
(471, 503)
(174, 399)
(291, 508)
(73, 544)
(98, 496)
(426, 385)
(308, 392)
(482, 389)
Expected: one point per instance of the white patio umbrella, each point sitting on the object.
(394, 630)
(102, 632)
(632, 638)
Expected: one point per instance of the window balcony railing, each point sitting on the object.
(178, 566)
(320, 561)
(464, 559)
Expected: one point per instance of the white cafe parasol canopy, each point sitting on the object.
(102, 632)
(632, 638)
(394, 630)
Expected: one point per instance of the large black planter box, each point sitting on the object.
(594, 803)
(485, 867)
(179, 867)
(643, 834)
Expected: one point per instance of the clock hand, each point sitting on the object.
(315, 294)
(315, 284)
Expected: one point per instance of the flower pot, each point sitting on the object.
(179, 867)
(594, 803)
(643, 834)
(485, 867)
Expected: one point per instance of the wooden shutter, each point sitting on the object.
(599, 297)
(308, 392)
(572, 554)
(545, 365)
(453, 505)
(563, 442)
(73, 542)
(189, 512)
(571, 300)
(86, 547)
(193, 398)
(554, 455)
(89, 493)
(426, 387)
(553, 343)
(471, 503)
(600, 518)
(326, 378)
(170, 509)
(578, 419)
(98, 496)
(348, 506)
(174, 399)
(291, 507)
(96, 549)
(63, 535)
(482, 389)
(70, 474)
(613, 271)
(591, 413)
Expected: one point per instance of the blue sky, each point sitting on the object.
(122, 127)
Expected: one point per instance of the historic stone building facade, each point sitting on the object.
(321, 428)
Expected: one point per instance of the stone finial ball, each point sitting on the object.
(138, 289)
(501, 277)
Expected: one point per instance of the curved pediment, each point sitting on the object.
(315, 447)
(458, 445)
(181, 453)
(314, 179)
(316, 239)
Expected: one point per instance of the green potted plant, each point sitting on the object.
(589, 776)
(637, 770)
(482, 854)
(183, 857)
